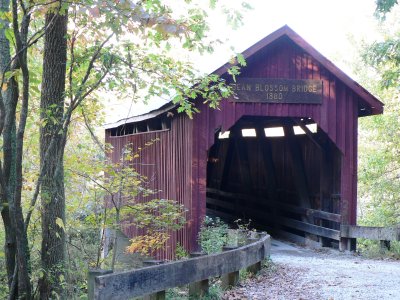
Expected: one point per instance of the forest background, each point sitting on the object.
(58, 59)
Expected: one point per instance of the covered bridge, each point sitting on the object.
(282, 153)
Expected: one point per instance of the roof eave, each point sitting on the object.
(376, 106)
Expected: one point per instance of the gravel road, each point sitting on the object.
(299, 273)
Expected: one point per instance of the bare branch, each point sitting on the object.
(92, 134)
(90, 68)
(91, 89)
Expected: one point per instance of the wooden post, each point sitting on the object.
(199, 288)
(254, 268)
(244, 164)
(161, 294)
(385, 245)
(227, 162)
(326, 182)
(92, 273)
(268, 163)
(300, 176)
(344, 242)
(230, 279)
(156, 296)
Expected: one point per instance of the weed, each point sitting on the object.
(213, 235)
(176, 294)
(215, 292)
(372, 249)
(242, 225)
(268, 266)
(180, 252)
(244, 275)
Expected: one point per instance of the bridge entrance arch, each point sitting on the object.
(281, 173)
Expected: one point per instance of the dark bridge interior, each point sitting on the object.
(282, 173)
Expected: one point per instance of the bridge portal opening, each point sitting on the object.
(283, 173)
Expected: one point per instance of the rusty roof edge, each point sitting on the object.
(375, 104)
(152, 114)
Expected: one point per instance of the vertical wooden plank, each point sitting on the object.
(349, 170)
(244, 167)
(268, 167)
(325, 112)
(333, 110)
(300, 177)
(195, 182)
(202, 172)
(227, 163)
(353, 216)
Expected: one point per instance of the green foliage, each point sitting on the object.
(379, 139)
(180, 252)
(213, 235)
(215, 292)
(242, 224)
(384, 6)
(372, 249)
(176, 294)
(244, 275)
(156, 214)
(124, 48)
(385, 57)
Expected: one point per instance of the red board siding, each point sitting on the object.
(178, 161)
(336, 116)
(166, 164)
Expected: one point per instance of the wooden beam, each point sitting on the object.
(313, 136)
(298, 239)
(244, 165)
(372, 233)
(129, 284)
(227, 163)
(292, 223)
(282, 206)
(268, 162)
(314, 213)
(310, 228)
(214, 152)
(300, 176)
(231, 218)
(269, 167)
(244, 210)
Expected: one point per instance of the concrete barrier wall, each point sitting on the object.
(158, 278)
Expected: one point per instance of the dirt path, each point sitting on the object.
(299, 273)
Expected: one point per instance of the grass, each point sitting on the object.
(372, 249)
(215, 292)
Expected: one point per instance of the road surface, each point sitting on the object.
(300, 273)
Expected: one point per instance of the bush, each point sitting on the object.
(213, 235)
(372, 249)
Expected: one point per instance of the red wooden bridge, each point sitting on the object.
(283, 152)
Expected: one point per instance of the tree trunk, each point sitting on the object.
(8, 150)
(10, 98)
(52, 191)
(22, 271)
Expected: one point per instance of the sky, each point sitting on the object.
(332, 27)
